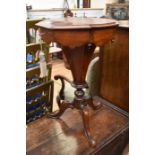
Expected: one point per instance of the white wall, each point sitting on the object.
(48, 4)
(101, 3)
(97, 3)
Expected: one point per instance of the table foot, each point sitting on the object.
(63, 105)
(85, 117)
(94, 105)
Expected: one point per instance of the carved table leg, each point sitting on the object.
(62, 79)
(85, 117)
(80, 102)
(63, 105)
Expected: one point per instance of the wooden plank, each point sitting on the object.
(114, 78)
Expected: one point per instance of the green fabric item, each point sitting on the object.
(92, 76)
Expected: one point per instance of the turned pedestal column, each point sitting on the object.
(78, 38)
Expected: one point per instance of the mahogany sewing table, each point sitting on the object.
(78, 38)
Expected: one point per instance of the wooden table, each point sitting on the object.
(78, 38)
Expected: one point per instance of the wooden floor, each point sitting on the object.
(65, 136)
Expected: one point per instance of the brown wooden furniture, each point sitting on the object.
(64, 136)
(86, 3)
(78, 38)
(114, 81)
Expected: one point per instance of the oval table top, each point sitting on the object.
(76, 23)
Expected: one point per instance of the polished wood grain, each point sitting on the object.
(76, 23)
(64, 136)
(115, 69)
(78, 38)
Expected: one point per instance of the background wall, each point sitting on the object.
(48, 4)
(101, 3)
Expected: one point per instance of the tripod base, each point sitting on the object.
(81, 103)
